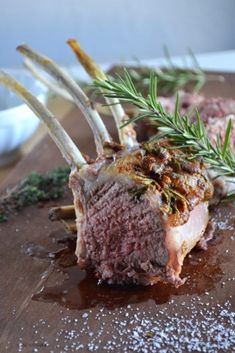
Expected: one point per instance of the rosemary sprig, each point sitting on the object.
(171, 78)
(178, 129)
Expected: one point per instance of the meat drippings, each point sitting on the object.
(77, 289)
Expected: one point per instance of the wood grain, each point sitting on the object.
(28, 325)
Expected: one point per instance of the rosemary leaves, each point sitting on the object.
(177, 129)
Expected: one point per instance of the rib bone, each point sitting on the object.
(67, 147)
(82, 101)
(48, 83)
(62, 212)
(127, 134)
(58, 90)
(70, 225)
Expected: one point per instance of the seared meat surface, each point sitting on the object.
(186, 101)
(137, 214)
(215, 113)
(140, 208)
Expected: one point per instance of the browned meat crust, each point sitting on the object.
(137, 214)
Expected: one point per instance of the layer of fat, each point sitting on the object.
(181, 240)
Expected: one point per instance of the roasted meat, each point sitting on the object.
(186, 101)
(215, 113)
(140, 208)
(137, 214)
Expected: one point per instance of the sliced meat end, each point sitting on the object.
(127, 239)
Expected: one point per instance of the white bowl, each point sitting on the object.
(17, 121)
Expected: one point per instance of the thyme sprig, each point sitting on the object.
(177, 129)
(34, 188)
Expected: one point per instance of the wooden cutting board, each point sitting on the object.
(48, 305)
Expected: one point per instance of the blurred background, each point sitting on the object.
(115, 30)
(111, 31)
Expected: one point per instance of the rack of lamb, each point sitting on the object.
(140, 207)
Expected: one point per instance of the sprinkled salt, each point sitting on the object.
(85, 315)
(192, 326)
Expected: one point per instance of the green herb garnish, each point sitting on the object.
(171, 78)
(177, 129)
(33, 189)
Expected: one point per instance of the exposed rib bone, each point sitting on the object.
(59, 91)
(66, 215)
(70, 225)
(127, 135)
(48, 83)
(67, 147)
(62, 212)
(82, 101)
